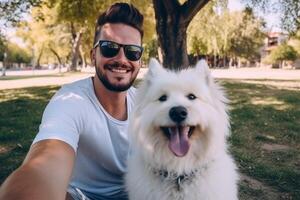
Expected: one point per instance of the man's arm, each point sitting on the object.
(44, 174)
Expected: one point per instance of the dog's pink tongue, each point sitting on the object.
(179, 141)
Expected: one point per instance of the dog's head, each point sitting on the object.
(179, 116)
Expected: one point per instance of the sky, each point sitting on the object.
(272, 19)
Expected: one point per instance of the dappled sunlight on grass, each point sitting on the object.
(271, 101)
(25, 93)
(278, 84)
(265, 116)
(265, 126)
(20, 116)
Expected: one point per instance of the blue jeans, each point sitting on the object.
(77, 194)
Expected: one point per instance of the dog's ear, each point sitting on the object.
(203, 69)
(155, 68)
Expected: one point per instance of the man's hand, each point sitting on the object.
(44, 174)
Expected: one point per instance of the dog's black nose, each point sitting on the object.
(178, 114)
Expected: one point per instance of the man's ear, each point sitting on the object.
(93, 56)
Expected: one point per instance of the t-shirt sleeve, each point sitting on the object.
(62, 118)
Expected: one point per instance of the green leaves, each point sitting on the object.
(224, 33)
(12, 10)
(281, 53)
(290, 17)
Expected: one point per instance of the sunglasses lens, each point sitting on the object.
(109, 49)
(133, 53)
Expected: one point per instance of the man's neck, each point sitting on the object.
(113, 102)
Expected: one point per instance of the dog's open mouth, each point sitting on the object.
(179, 138)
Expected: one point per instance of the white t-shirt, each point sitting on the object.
(75, 116)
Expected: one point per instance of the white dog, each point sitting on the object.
(178, 134)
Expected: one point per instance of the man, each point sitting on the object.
(81, 147)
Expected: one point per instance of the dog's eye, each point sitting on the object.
(163, 98)
(191, 96)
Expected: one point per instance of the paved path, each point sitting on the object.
(242, 73)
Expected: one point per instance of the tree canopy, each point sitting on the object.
(289, 9)
(283, 52)
(62, 30)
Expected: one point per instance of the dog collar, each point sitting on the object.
(178, 179)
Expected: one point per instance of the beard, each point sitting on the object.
(110, 86)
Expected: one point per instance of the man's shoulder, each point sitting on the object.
(81, 84)
(73, 92)
(132, 93)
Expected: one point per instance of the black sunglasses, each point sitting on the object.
(110, 49)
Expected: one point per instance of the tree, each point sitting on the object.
(294, 41)
(248, 36)
(77, 14)
(227, 35)
(290, 18)
(150, 50)
(172, 20)
(12, 10)
(45, 38)
(2, 48)
(16, 54)
(281, 53)
(207, 33)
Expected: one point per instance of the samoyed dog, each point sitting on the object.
(178, 134)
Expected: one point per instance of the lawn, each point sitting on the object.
(265, 138)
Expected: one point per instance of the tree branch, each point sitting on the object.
(190, 8)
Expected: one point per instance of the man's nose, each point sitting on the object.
(121, 55)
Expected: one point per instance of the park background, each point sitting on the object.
(252, 47)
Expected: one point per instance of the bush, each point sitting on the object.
(281, 53)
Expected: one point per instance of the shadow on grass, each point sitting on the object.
(263, 114)
(260, 114)
(20, 115)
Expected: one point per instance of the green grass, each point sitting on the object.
(20, 115)
(260, 114)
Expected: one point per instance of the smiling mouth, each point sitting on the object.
(120, 71)
(118, 68)
(178, 137)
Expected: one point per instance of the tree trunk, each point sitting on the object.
(85, 61)
(172, 38)
(81, 57)
(4, 64)
(58, 58)
(75, 47)
(38, 64)
(215, 61)
(172, 20)
(230, 62)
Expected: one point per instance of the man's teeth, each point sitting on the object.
(119, 70)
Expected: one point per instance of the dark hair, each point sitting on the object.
(120, 13)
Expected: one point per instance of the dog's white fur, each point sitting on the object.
(215, 172)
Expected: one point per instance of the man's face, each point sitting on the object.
(117, 73)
